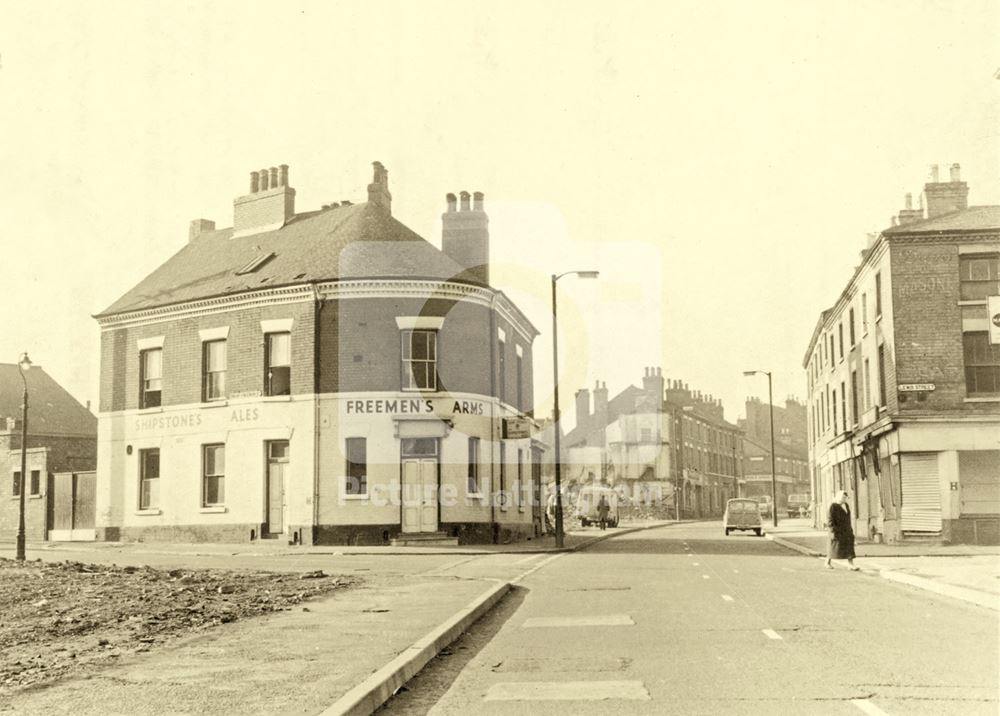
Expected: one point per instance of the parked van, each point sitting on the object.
(742, 513)
(798, 505)
(588, 499)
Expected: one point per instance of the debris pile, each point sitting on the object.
(59, 617)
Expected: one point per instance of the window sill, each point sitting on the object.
(213, 510)
(983, 399)
(972, 302)
(358, 498)
(149, 512)
(148, 411)
(475, 495)
(35, 497)
(276, 398)
(219, 403)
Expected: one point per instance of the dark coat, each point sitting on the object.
(838, 521)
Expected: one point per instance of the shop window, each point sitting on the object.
(213, 370)
(213, 475)
(278, 367)
(150, 377)
(356, 450)
(472, 481)
(979, 276)
(419, 359)
(982, 364)
(149, 479)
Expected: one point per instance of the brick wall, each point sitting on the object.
(182, 355)
(360, 347)
(928, 328)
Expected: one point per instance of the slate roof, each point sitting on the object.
(975, 218)
(343, 242)
(51, 410)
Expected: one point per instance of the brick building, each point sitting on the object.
(904, 376)
(61, 457)
(791, 463)
(323, 377)
(651, 441)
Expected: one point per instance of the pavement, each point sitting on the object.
(412, 603)
(967, 572)
(603, 608)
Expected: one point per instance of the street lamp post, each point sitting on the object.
(22, 365)
(770, 408)
(560, 535)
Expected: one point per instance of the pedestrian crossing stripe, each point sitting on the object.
(567, 691)
(582, 621)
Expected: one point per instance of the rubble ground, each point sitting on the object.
(59, 618)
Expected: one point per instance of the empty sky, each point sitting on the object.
(719, 162)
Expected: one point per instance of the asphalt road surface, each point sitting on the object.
(683, 620)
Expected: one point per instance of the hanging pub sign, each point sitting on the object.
(993, 311)
(516, 428)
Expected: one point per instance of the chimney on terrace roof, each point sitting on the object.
(946, 197)
(269, 205)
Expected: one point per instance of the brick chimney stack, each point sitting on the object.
(199, 227)
(600, 404)
(583, 408)
(908, 215)
(465, 235)
(945, 197)
(378, 190)
(269, 205)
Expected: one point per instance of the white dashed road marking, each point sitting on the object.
(528, 559)
(868, 707)
(771, 634)
(727, 597)
(567, 691)
(597, 620)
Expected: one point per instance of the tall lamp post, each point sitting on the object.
(23, 364)
(560, 535)
(770, 408)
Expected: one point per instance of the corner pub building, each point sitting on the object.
(321, 377)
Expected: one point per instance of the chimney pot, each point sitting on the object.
(254, 182)
(452, 201)
(283, 175)
(934, 173)
(465, 200)
(264, 179)
(909, 201)
(378, 190)
(956, 173)
(274, 177)
(477, 201)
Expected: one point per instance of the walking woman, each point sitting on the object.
(838, 521)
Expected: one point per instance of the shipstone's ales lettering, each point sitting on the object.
(245, 415)
(163, 422)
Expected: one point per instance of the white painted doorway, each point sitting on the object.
(419, 467)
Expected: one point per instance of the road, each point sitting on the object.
(682, 620)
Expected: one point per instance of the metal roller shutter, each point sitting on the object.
(921, 493)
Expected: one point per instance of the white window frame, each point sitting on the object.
(408, 382)
(220, 476)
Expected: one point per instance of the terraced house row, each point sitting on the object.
(904, 376)
(325, 376)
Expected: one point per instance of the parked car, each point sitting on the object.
(742, 513)
(798, 505)
(587, 501)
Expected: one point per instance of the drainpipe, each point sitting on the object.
(493, 407)
(317, 310)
